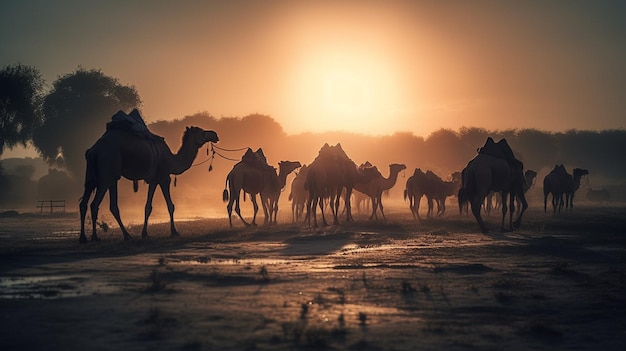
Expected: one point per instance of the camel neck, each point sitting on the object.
(183, 159)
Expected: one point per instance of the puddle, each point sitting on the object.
(48, 287)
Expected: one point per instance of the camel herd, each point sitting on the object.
(330, 178)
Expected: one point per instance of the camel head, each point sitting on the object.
(287, 167)
(580, 172)
(198, 136)
(397, 167)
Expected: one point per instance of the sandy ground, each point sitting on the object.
(556, 283)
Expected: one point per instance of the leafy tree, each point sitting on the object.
(76, 112)
(21, 96)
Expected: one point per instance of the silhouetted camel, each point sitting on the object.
(443, 189)
(271, 194)
(120, 152)
(420, 184)
(331, 172)
(254, 176)
(494, 168)
(578, 173)
(557, 182)
(374, 187)
(298, 195)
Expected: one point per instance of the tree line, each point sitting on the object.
(65, 120)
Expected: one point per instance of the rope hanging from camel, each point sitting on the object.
(211, 153)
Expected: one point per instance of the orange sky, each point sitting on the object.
(373, 67)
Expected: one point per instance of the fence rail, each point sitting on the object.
(52, 205)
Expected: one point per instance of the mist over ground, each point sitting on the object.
(198, 191)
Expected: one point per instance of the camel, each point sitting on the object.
(254, 176)
(120, 152)
(556, 183)
(578, 173)
(375, 187)
(494, 168)
(331, 172)
(418, 185)
(271, 194)
(442, 190)
(298, 195)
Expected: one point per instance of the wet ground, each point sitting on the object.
(556, 283)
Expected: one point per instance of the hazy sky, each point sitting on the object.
(367, 66)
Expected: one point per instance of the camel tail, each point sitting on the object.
(135, 185)
(290, 197)
(225, 193)
(405, 194)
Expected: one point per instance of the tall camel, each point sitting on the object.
(331, 172)
(298, 195)
(578, 173)
(556, 183)
(122, 153)
(494, 168)
(254, 176)
(375, 187)
(271, 194)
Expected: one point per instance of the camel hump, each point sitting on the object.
(501, 149)
(255, 159)
(132, 122)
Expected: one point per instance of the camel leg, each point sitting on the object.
(165, 189)
(545, 203)
(476, 205)
(349, 206)
(504, 209)
(115, 210)
(237, 208)
(380, 205)
(255, 206)
(148, 209)
(321, 205)
(418, 199)
(83, 212)
(95, 204)
(335, 205)
(518, 221)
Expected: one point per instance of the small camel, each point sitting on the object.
(418, 185)
(578, 173)
(443, 189)
(494, 168)
(298, 195)
(271, 194)
(122, 153)
(556, 183)
(376, 186)
(255, 178)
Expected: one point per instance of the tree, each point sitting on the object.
(76, 112)
(21, 96)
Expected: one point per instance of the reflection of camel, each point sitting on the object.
(375, 187)
(254, 176)
(331, 172)
(556, 183)
(298, 195)
(494, 168)
(119, 153)
(271, 194)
